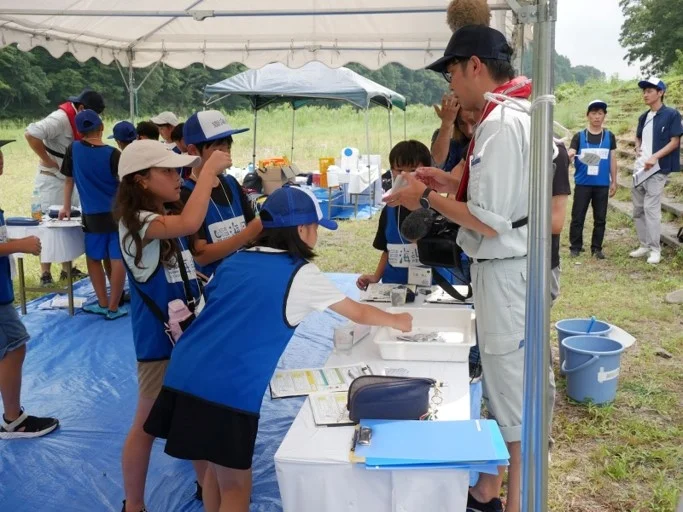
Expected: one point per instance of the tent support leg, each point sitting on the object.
(367, 148)
(405, 124)
(391, 142)
(253, 153)
(537, 352)
(291, 155)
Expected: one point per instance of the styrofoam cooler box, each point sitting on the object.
(459, 321)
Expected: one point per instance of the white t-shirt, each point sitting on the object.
(55, 132)
(311, 291)
(646, 142)
(150, 250)
(498, 189)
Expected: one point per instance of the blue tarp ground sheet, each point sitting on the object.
(82, 370)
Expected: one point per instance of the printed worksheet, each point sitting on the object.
(288, 383)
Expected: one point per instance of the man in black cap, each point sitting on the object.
(491, 208)
(49, 138)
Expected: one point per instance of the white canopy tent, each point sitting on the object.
(136, 33)
(313, 81)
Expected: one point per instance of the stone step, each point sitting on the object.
(669, 230)
(668, 204)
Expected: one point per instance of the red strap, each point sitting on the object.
(519, 92)
(70, 111)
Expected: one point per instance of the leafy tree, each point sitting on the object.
(652, 32)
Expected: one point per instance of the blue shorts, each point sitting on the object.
(12, 331)
(102, 246)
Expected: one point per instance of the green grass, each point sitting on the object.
(623, 457)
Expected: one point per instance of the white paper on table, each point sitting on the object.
(330, 408)
(290, 383)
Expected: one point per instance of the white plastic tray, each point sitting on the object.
(450, 319)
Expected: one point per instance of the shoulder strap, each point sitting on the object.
(189, 296)
(448, 287)
(519, 223)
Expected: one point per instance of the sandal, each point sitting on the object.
(27, 427)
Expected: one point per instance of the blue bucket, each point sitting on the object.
(578, 327)
(592, 368)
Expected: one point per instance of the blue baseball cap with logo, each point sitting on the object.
(124, 131)
(654, 82)
(87, 121)
(292, 206)
(208, 126)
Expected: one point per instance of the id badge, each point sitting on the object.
(226, 228)
(173, 274)
(593, 170)
(419, 276)
(402, 255)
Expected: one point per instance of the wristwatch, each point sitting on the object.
(424, 199)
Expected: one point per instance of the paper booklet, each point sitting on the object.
(329, 409)
(290, 383)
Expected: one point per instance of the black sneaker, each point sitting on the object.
(495, 505)
(574, 253)
(598, 255)
(125, 297)
(46, 280)
(124, 507)
(27, 427)
(75, 274)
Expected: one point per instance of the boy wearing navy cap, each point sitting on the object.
(230, 222)
(14, 423)
(658, 153)
(123, 133)
(93, 166)
(595, 179)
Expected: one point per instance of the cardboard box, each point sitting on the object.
(275, 176)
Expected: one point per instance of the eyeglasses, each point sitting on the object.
(447, 74)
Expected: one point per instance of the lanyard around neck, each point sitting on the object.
(602, 136)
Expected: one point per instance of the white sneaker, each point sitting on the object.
(640, 252)
(655, 257)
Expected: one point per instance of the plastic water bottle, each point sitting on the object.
(36, 206)
(250, 167)
(349, 159)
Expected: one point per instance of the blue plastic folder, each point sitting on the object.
(470, 444)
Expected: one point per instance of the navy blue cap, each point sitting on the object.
(291, 206)
(207, 126)
(89, 99)
(652, 81)
(87, 121)
(6, 141)
(474, 40)
(124, 131)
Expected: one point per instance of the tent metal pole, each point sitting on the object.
(253, 154)
(391, 142)
(405, 124)
(536, 412)
(131, 87)
(291, 155)
(367, 148)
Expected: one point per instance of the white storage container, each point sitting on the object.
(456, 324)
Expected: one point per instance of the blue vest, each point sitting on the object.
(582, 176)
(93, 176)
(218, 213)
(151, 342)
(392, 234)
(229, 353)
(6, 290)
